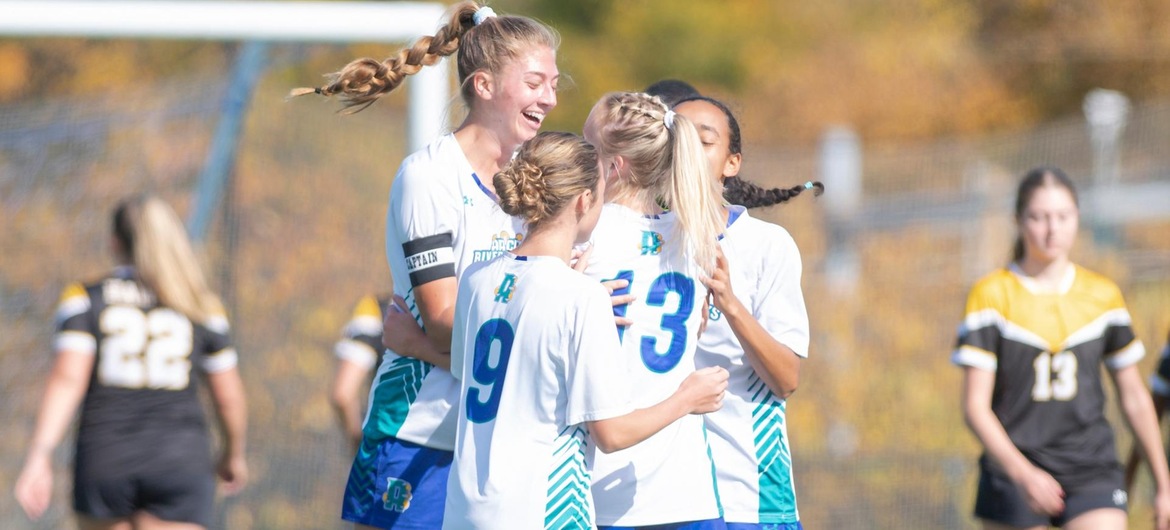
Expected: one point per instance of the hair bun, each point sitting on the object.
(523, 190)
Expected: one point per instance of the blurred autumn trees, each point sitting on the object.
(897, 70)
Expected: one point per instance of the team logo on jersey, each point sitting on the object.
(506, 289)
(651, 243)
(501, 243)
(397, 496)
(467, 201)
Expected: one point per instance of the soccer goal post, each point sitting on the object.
(336, 22)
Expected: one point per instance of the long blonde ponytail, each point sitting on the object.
(664, 159)
(157, 243)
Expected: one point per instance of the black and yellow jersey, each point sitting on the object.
(361, 339)
(141, 397)
(1046, 351)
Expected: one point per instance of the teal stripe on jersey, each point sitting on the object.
(395, 390)
(568, 503)
(714, 475)
(774, 459)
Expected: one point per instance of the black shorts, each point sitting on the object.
(1000, 501)
(184, 495)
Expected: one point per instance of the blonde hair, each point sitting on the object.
(662, 162)
(156, 243)
(487, 47)
(547, 172)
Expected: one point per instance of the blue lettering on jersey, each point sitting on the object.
(713, 313)
(505, 290)
(501, 243)
(651, 243)
(467, 201)
(397, 496)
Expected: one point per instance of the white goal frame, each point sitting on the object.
(273, 21)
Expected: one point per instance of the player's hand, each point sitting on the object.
(621, 299)
(704, 389)
(579, 259)
(1043, 493)
(720, 293)
(1162, 510)
(34, 487)
(233, 471)
(399, 327)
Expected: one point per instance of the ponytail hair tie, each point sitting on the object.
(808, 185)
(482, 14)
(668, 119)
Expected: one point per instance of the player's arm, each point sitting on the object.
(1143, 420)
(400, 331)
(700, 393)
(1135, 453)
(227, 394)
(63, 394)
(1043, 493)
(347, 383)
(777, 364)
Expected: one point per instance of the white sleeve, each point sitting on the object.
(780, 305)
(422, 218)
(597, 378)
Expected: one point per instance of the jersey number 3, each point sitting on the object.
(487, 376)
(675, 322)
(144, 349)
(1056, 376)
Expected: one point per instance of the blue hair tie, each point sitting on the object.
(808, 185)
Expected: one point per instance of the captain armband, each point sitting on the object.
(429, 258)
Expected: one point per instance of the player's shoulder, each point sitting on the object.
(1097, 285)
(994, 289)
(370, 306)
(758, 233)
(433, 160)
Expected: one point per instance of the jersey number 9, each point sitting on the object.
(488, 376)
(144, 349)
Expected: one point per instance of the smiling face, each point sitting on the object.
(715, 133)
(1048, 224)
(521, 95)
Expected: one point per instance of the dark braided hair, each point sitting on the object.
(742, 192)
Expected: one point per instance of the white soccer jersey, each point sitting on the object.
(749, 435)
(669, 477)
(536, 349)
(441, 220)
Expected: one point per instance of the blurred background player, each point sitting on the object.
(1031, 346)
(357, 354)
(442, 218)
(559, 373)
(757, 328)
(127, 346)
(1160, 391)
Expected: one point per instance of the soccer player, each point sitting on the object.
(757, 328)
(650, 154)
(1160, 392)
(128, 346)
(442, 218)
(1031, 346)
(538, 355)
(357, 353)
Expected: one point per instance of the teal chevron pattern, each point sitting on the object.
(396, 389)
(359, 489)
(773, 457)
(569, 504)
